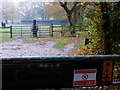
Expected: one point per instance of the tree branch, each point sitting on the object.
(64, 5)
(74, 7)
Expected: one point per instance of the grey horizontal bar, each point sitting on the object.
(116, 83)
(81, 57)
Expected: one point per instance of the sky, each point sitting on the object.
(27, 0)
(60, 0)
(13, 0)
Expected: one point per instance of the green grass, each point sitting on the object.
(2, 40)
(81, 33)
(61, 42)
(79, 45)
(29, 40)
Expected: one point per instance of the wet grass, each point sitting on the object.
(29, 40)
(2, 40)
(79, 45)
(61, 42)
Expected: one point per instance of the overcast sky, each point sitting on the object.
(61, 0)
(27, 0)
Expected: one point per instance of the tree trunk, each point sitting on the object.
(75, 17)
(71, 27)
(116, 29)
(70, 19)
(69, 14)
(106, 28)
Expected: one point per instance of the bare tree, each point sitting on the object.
(9, 11)
(31, 10)
(71, 13)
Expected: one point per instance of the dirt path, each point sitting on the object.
(18, 49)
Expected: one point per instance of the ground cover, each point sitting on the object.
(36, 47)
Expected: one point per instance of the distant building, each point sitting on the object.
(46, 22)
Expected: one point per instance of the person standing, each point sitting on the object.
(34, 28)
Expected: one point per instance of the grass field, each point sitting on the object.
(2, 40)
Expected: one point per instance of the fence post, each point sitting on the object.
(51, 30)
(10, 31)
(62, 30)
(21, 31)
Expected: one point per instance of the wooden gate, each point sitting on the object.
(5, 32)
(25, 31)
(45, 31)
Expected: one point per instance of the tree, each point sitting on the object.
(74, 12)
(0, 10)
(102, 20)
(65, 10)
(69, 11)
(116, 27)
(31, 10)
(54, 10)
(111, 29)
(9, 11)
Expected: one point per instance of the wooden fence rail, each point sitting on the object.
(59, 72)
(25, 31)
